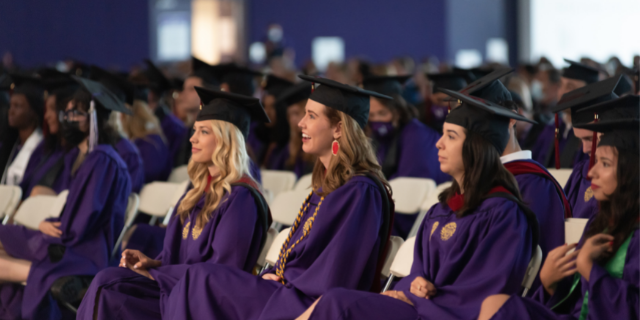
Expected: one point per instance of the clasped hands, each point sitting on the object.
(138, 262)
(420, 287)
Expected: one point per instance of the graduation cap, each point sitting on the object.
(489, 87)
(157, 81)
(234, 108)
(351, 100)
(619, 133)
(54, 81)
(203, 71)
(587, 96)
(450, 81)
(483, 117)
(624, 85)
(119, 86)
(239, 79)
(473, 74)
(580, 71)
(275, 86)
(387, 85)
(296, 93)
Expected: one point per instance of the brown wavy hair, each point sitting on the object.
(356, 157)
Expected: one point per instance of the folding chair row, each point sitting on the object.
(38, 208)
(158, 198)
(431, 200)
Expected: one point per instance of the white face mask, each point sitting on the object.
(275, 34)
(536, 89)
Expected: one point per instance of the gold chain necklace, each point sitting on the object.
(283, 256)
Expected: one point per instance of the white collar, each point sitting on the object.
(519, 155)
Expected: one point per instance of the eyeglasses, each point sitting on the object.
(72, 115)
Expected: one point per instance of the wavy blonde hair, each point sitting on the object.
(142, 123)
(355, 156)
(230, 157)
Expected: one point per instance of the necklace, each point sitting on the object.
(284, 252)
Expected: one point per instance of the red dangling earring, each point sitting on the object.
(335, 147)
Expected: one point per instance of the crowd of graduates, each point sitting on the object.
(492, 131)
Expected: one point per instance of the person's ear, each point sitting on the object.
(512, 123)
(337, 131)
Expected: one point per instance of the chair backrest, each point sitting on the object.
(433, 196)
(304, 183)
(271, 235)
(532, 270)
(132, 209)
(401, 266)
(410, 193)
(573, 229)
(274, 251)
(286, 206)
(561, 175)
(395, 243)
(277, 181)
(179, 174)
(9, 199)
(156, 198)
(38, 208)
(181, 189)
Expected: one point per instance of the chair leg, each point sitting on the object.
(388, 284)
(266, 266)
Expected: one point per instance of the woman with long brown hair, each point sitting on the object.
(599, 280)
(337, 238)
(221, 220)
(477, 240)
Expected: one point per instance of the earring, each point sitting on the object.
(335, 147)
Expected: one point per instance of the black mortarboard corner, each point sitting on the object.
(624, 85)
(482, 117)
(449, 81)
(351, 100)
(158, 83)
(275, 86)
(489, 87)
(387, 85)
(239, 79)
(203, 71)
(579, 71)
(120, 87)
(236, 109)
(620, 133)
(56, 82)
(298, 92)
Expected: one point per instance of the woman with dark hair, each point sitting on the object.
(478, 240)
(79, 242)
(404, 146)
(24, 133)
(275, 134)
(337, 239)
(599, 280)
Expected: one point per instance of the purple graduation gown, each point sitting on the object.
(232, 238)
(543, 150)
(541, 195)
(131, 156)
(38, 166)
(579, 194)
(467, 259)
(341, 250)
(174, 130)
(155, 156)
(90, 223)
(609, 297)
(417, 157)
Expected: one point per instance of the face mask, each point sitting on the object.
(381, 129)
(536, 89)
(439, 111)
(71, 133)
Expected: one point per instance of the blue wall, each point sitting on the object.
(110, 33)
(381, 29)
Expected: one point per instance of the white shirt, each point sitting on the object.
(520, 155)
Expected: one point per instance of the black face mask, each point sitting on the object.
(71, 133)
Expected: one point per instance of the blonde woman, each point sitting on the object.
(335, 241)
(221, 220)
(143, 129)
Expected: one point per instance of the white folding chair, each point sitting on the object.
(9, 200)
(286, 206)
(158, 198)
(304, 183)
(573, 230)
(394, 245)
(274, 250)
(426, 205)
(179, 174)
(277, 181)
(271, 235)
(129, 216)
(561, 175)
(532, 271)
(401, 266)
(38, 208)
(410, 193)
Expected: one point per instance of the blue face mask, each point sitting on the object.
(381, 129)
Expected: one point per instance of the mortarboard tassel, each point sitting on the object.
(313, 87)
(556, 143)
(594, 145)
(93, 126)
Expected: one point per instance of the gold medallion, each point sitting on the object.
(185, 231)
(447, 231)
(307, 225)
(196, 232)
(433, 228)
(588, 194)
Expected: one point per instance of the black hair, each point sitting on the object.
(106, 134)
(405, 111)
